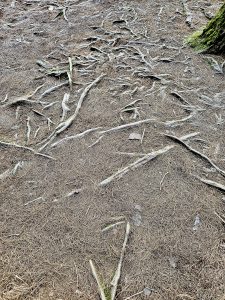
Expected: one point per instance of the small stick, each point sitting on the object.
(41, 114)
(77, 275)
(34, 200)
(143, 57)
(203, 156)
(25, 148)
(49, 121)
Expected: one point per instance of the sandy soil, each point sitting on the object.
(53, 209)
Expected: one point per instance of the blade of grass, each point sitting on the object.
(100, 286)
(116, 278)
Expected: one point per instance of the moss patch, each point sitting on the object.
(212, 37)
(196, 41)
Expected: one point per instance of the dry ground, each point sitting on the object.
(176, 249)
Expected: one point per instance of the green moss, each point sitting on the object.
(107, 292)
(196, 41)
(212, 36)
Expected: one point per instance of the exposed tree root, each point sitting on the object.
(67, 123)
(203, 156)
(141, 161)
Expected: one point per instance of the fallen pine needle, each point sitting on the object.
(161, 182)
(134, 295)
(34, 200)
(131, 154)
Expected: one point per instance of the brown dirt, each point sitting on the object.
(46, 245)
